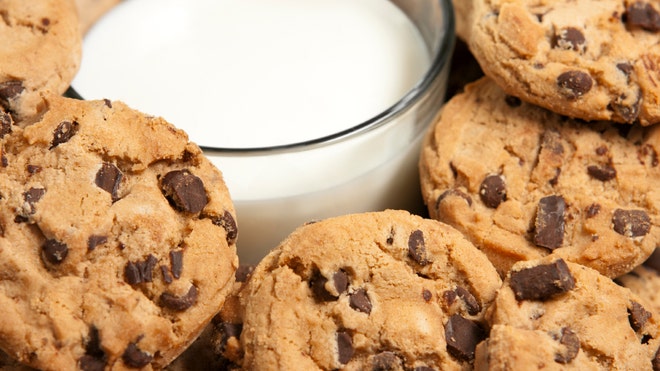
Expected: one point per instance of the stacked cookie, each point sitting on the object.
(117, 236)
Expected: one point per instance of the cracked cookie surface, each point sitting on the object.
(522, 182)
(384, 290)
(588, 59)
(41, 53)
(117, 239)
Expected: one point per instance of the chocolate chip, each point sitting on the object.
(179, 303)
(359, 300)
(95, 240)
(176, 262)
(6, 123)
(493, 191)
(602, 150)
(571, 343)
(64, 132)
(344, 347)
(243, 272)
(637, 316)
(602, 173)
(140, 271)
(108, 178)
(648, 155)
(134, 357)
(417, 247)
(512, 101)
(593, 210)
(107, 102)
(184, 190)
(454, 192)
(462, 337)
(386, 361)
(631, 223)
(625, 109)
(54, 252)
(653, 261)
(574, 84)
(549, 223)
(626, 68)
(95, 358)
(542, 282)
(471, 303)
(318, 285)
(33, 169)
(227, 222)
(427, 295)
(10, 90)
(167, 276)
(643, 15)
(569, 38)
(31, 197)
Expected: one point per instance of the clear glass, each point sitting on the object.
(368, 167)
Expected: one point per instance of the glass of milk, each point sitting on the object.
(310, 108)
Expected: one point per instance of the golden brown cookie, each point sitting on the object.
(383, 290)
(554, 315)
(117, 239)
(522, 182)
(588, 59)
(41, 53)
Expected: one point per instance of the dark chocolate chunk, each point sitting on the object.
(471, 303)
(569, 38)
(179, 303)
(344, 347)
(54, 252)
(317, 284)
(134, 357)
(549, 223)
(140, 271)
(637, 316)
(9, 90)
(642, 14)
(184, 190)
(359, 300)
(386, 361)
(462, 336)
(107, 102)
(626, 68)
(417, 247)
(574, 84)
(454, 192)
(63, 133)
(227, 222)
(648, 155)
(243, 272)
(32, 196)
(571, 346)
(95, 240)
(95, 358)
(631, 223)
(108, 178)
(653, 261)
(427, 295)
(6, 123)
(493, 191)
(542, 282)
(602, 173)
(176, 262)
(626, 109)
(593, 210)
(132, 273)
(167, 276)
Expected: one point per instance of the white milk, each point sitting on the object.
(260, 73)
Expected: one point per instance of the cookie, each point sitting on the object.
(381, 290)
(555, 315)
(41, 53)
(89, 11)
(522, 182)
(645, 280)
(117, 239)
(587, 59)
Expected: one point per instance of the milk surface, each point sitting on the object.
(254, 73)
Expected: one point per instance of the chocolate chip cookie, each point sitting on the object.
(556, 315)
(41, 53)
(385, 290)
(522, 182)
(588, 59)
(117, 239)
(645, 280)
